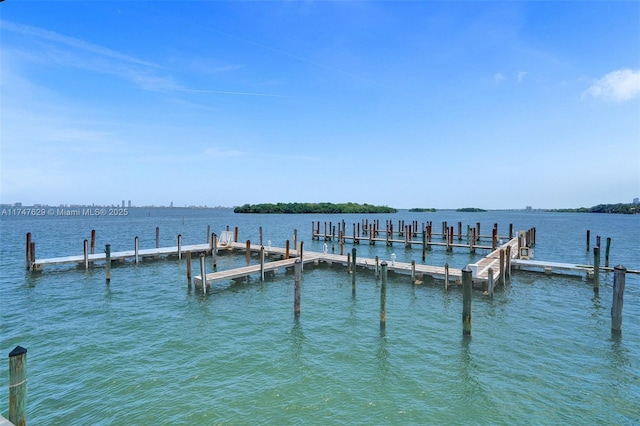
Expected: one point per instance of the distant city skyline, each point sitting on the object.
(495, 105)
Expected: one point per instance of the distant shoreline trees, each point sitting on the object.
(298, 208)
(620, 208)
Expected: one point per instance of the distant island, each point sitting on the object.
(423, 210)
(620, 208)
(296, 208)
(470, 210)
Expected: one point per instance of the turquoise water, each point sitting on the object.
(147, 350)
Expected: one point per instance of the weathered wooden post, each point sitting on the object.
(32, 252)
(353, 273)
(490, 282)
(18, 386)
(502, 267)
(606, 253)
(261, 263)
(377, 268)
(466, 301)
(296, 287)
(214, 250)
(248, 252)
(235, 234)
(295, 237)
(588, 238)
(446, 276)
(260, 235)
(286, 249)
(508, 262)
(459, 231)
(511, 231)
(86, 255)
(136, 249)
(203, 273)
(424, 245)
(619, 278)
(179, 246)
(188, 269)
(93, 241)
(209, 235)
(383, 297)
(596, 269)
(28, 250)
(157, 237)
(413, 271)
(107, 250)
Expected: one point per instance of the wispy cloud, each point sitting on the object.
(147, 75)
(72, 42)
(617, 86)
(521, 76)
(498, 78)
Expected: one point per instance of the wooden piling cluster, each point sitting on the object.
(406, 234)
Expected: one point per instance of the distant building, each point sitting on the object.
(636, 200)
(17, 205)
(122, 203)
(529, 208)
(171, 205)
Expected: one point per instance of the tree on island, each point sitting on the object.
(297, 208)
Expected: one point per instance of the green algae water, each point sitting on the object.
(147, 350)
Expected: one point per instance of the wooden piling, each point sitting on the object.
(203, 274)
(86, 255)
(353, 273)
(459, 231)
(466, 301)
(596, 269)
(606, 253)
(446, 276)
(107, 250)
(188, 255)
(619, 278)
(208, 234)
(32, 252)
(214, 250)
(507, 259)
(511, 231)
(413, 271)
(261, 263)
(136, 249)
(93, 241)
(424, 245)
(260, 235)
(588, 238)
(28, 251)
(179, 246)
(300, 254)
(502, 267)
(296, 286)
(490, 282)
(286, 249)
(383, 297)
(247, 254)
(18, 386)
(157, 237)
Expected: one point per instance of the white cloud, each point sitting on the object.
(617, 86)
(521, 75)
(498, 77)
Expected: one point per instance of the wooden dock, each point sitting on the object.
(435, 272)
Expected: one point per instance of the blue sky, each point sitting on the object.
(405, 104)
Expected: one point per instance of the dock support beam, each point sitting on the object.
(618, 298)
(466, 301)
(107, 250)
(353, 272)
(383, 298)
(18, 386)
(203, 274)
(296, 287)
(596, 269)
